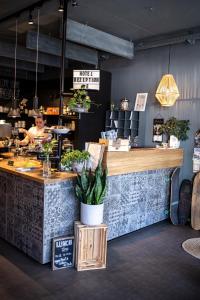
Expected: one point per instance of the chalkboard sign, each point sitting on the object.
(63, 253)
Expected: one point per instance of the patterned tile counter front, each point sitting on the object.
(32, 213)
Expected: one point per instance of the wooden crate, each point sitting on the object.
(91, 246)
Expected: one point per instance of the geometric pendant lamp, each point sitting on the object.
(167, 92)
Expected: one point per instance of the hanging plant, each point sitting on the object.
(80, 101)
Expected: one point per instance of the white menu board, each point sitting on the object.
(89, 78)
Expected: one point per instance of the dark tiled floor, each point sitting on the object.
(147, 264)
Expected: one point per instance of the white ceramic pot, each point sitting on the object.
(92, 214)
(78, 167)
(174, 142)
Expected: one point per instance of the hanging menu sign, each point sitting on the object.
(63, 253)
(89, 78)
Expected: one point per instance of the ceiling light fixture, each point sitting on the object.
(167, 92)
(30, 18)
(35, 111)
(61, 6)
(74, 3)
(14, 110)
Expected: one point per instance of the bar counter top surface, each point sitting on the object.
(136, 160)
(36, 174)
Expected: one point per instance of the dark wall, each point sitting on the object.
(90, 125)
(143, 75)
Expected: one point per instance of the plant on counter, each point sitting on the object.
(74, 159)
(47, 147)
(80, 100)
(91, 189)
(177, 128)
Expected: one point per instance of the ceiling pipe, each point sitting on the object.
(62, 62)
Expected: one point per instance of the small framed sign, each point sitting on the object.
(62, 252)
(89, 78)
(157, 136)
(140, 102)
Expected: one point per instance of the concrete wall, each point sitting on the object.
(143, 74)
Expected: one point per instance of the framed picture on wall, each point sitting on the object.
(140, 101)
(157, 136)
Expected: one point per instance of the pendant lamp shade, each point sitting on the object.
(35, 111)
(14, 110)
(167, 92)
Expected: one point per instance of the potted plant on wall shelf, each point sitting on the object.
(90, 190)
(80, 102)
(74, 160)
(175, 130)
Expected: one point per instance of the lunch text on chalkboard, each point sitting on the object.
(63, 252)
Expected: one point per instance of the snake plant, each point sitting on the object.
(91, 186)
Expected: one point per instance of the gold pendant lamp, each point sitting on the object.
(167, 92)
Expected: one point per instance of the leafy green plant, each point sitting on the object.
(47, 147)
(91, 186)
(178, 128)
(80, 99)
(68, 158)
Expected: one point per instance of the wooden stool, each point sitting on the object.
(90, 246)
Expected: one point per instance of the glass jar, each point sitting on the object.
(124, 104)
(46, 167)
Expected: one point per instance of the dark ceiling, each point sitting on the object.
(131, 20)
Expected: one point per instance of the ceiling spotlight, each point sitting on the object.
(61, 6)
(30, 18)
(74, 3)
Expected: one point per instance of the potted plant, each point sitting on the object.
(74, 160)
(80, 102)
(175, 130)
(90, 190)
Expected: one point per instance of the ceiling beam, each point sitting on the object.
(168, 39)
(89, 36)
(21, 74)
(22, 65)
(7, 50)
(52, 46)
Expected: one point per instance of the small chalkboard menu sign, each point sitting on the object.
(63, 252)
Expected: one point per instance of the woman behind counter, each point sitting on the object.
(36, 131)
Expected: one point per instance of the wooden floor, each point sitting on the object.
(147, 264)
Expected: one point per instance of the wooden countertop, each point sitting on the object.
(36, 174)
(136, 160)
(142, 159)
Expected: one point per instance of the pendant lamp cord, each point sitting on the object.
(15, 72)
(37, 50)
(169, 61)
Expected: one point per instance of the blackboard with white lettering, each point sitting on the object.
(63, 253)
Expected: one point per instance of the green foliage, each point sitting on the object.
(68, 158)
(47, 147)
(91, 186)
(178, 128)
(80, 99)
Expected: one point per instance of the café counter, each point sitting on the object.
(34, 209)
